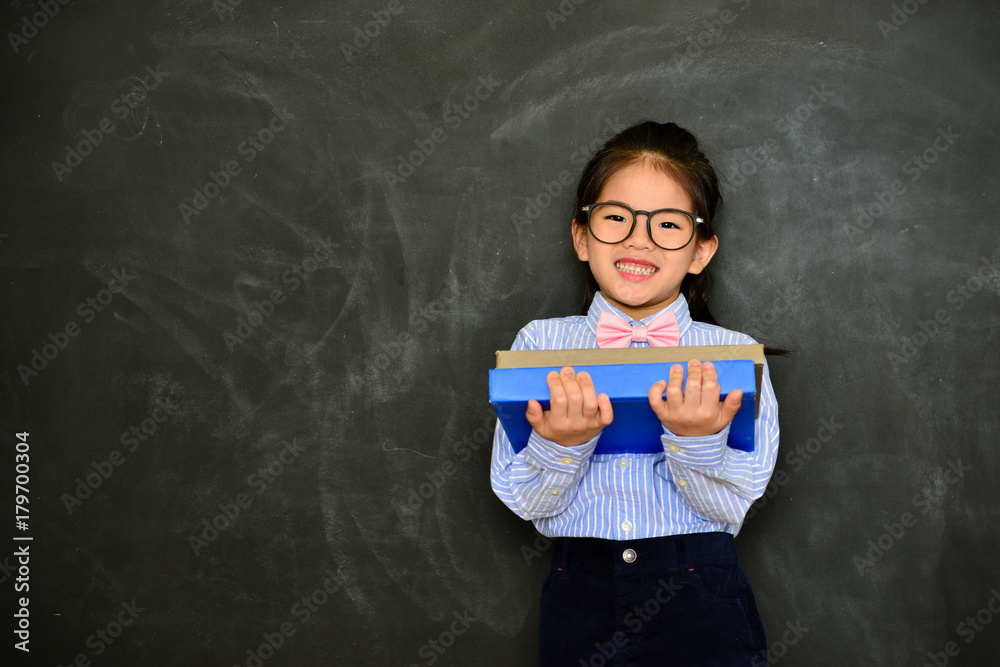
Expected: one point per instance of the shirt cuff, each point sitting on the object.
(702, 451)
(553, 457)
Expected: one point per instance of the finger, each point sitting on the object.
(535, 415)
(588, 394)
(730, 407)
(656, 400)
(692, 390)
(709, 383)
(605, 414)
(675, 396)
(574, 396)
(557, 395)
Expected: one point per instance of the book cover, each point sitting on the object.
(625, 375)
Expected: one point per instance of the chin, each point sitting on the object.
(643, 300)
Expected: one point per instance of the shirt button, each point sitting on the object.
(623, 463)
(681, 483)
(554, 492)
(629, 556)
(565, 460)
(627, 526)
(674, 448)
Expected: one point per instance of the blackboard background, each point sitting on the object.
(373, 365)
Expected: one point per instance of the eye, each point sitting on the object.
(615, 218)
(671, 221)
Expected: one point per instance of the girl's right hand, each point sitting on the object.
(576, 414)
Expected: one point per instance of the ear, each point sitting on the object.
(704, 250)
(580, 240)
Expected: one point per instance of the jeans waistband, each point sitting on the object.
(671, 551)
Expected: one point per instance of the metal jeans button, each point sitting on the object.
(629, 556)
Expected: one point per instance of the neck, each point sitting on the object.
(643, 310)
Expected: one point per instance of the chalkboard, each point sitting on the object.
(256, 259)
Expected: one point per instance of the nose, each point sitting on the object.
(639, 238)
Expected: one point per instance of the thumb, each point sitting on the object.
(534, 415)
(731, 406)
(605, 413)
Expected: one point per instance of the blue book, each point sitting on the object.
(625, 375)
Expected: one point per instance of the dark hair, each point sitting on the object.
(675, 151)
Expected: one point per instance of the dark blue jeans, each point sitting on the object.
(677, 600)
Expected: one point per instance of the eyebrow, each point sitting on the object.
(662, 208)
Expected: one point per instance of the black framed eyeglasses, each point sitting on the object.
(668, 228)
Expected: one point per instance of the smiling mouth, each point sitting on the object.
(634, 269)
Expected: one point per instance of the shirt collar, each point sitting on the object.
(601, 304)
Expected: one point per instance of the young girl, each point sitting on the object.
(644, 571)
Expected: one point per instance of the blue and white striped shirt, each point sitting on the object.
(697, 484)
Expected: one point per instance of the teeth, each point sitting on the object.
(635, 269)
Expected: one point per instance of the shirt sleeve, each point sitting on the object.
(542, 479)
(717, 482)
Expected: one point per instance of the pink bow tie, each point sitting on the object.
(662, 331)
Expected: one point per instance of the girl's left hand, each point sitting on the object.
(696, 411)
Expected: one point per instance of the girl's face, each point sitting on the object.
(622, 270)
